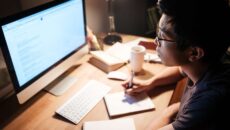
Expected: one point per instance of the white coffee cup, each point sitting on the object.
(137, 58)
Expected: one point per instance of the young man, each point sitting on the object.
(192, 39)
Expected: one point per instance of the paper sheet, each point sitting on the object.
(118, 124)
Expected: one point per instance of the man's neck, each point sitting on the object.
(195, 71)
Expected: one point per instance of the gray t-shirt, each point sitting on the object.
(205, 105)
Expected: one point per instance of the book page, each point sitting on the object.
(120, 103)
(118, 124)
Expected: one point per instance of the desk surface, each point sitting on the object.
(39, 112)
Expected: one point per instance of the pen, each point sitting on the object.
(131, 80)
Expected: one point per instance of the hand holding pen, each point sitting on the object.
(133, 87)
(131, 80)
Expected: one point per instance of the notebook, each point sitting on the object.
(117, 124)
(120, 103)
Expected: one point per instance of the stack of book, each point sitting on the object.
(114, 57)
(105, 61)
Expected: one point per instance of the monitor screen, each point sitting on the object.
(36, 41)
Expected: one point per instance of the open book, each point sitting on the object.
(120, 103)
(114, 57)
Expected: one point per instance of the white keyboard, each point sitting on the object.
(83, 101)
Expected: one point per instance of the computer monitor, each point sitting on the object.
(42, 43)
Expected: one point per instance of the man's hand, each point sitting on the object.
(137, 88)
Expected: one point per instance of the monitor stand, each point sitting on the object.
(62, 83)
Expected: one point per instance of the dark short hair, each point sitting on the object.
(203, 23)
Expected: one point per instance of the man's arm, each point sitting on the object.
(168, 76)
(167, 127)
(163, 122)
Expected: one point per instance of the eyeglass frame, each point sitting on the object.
(157, 41)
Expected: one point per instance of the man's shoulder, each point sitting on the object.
(218, 73)
(216, 81)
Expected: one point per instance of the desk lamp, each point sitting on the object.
(111, 37)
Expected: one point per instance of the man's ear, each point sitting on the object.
(195, 54)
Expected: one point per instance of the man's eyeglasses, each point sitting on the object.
(158, 41)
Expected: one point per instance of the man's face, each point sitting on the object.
(167, 46)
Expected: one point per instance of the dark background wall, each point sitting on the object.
(131, 16)
(8, 7)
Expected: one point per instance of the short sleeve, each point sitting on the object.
(197, 112)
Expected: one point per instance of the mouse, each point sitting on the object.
(118, 75)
